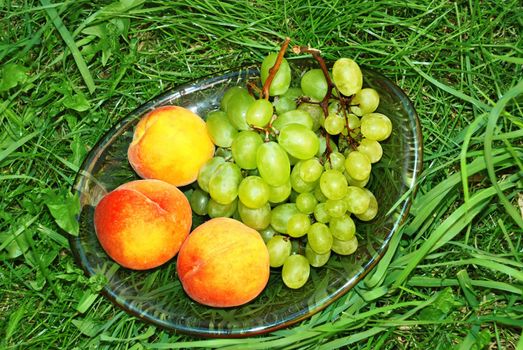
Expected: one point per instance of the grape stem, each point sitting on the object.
(316, 54)
(274, 69)
(268, 130)
(324, 103)
(253, 89)
(345, 106)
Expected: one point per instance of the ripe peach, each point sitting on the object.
(223, 263)
(142, 224)
(170, 143)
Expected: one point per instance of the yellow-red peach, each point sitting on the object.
(142, 224)
(223, 263)
(170, 143)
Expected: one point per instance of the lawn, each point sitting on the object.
(452, 277)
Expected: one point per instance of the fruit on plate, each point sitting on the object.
(170, 143)
(142, 223)
(223, 263)
(300, 163)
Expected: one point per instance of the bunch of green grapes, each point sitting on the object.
(293, 169)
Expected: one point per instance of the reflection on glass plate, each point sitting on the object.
(157, 295)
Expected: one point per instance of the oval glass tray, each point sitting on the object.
(157, 295)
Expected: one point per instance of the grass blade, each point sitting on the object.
(341, 342)
(432, 199)
(17, 144)
(432, 282)
(492, 121)
(459, 219)
(14, 320)
(467, 288)
(447, 88)
(69, 41)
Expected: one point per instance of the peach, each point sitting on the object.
(142, 224)
(170, 143)
(223, 263)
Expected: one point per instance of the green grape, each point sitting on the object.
(287, 101)
(347, 247)
(282, 79)
(237, 107)
(281, 214)
(320, 238)
(220, 129)
(376, 126)
(223, 185)
(358, 165)
(336, 161)
(334, 124)
(335, 207)
(295, 271)
(299, 141)
(267, 233)
(321, 214)
(342, 228)
(298, 225)
(198, 201)
(253, 192)
(294, 116)
(278, 194)
(314, 84)
(365, 101)
(372, 210)
(315, 259)
(229, 94)
(372, 149)
(217, 210)
(273, 164)
(297, 183)
(357, 200)
(279, 248)
(293, 92)
(347, 76)
(310, 170)
(207, 171)
(284, 104)
(252, 172)
(244, 148)
(334, 108)
(357, 183)
(353, 121)
(306, 202)
(259, 113)
(319, 194)
(315, 112)
(258, 219)
(333, 184)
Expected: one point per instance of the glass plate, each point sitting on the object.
(157, 295)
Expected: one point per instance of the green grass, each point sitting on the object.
(452, 275)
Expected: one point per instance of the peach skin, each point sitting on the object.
(223, 263)
(170, 143)
(142, 224)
